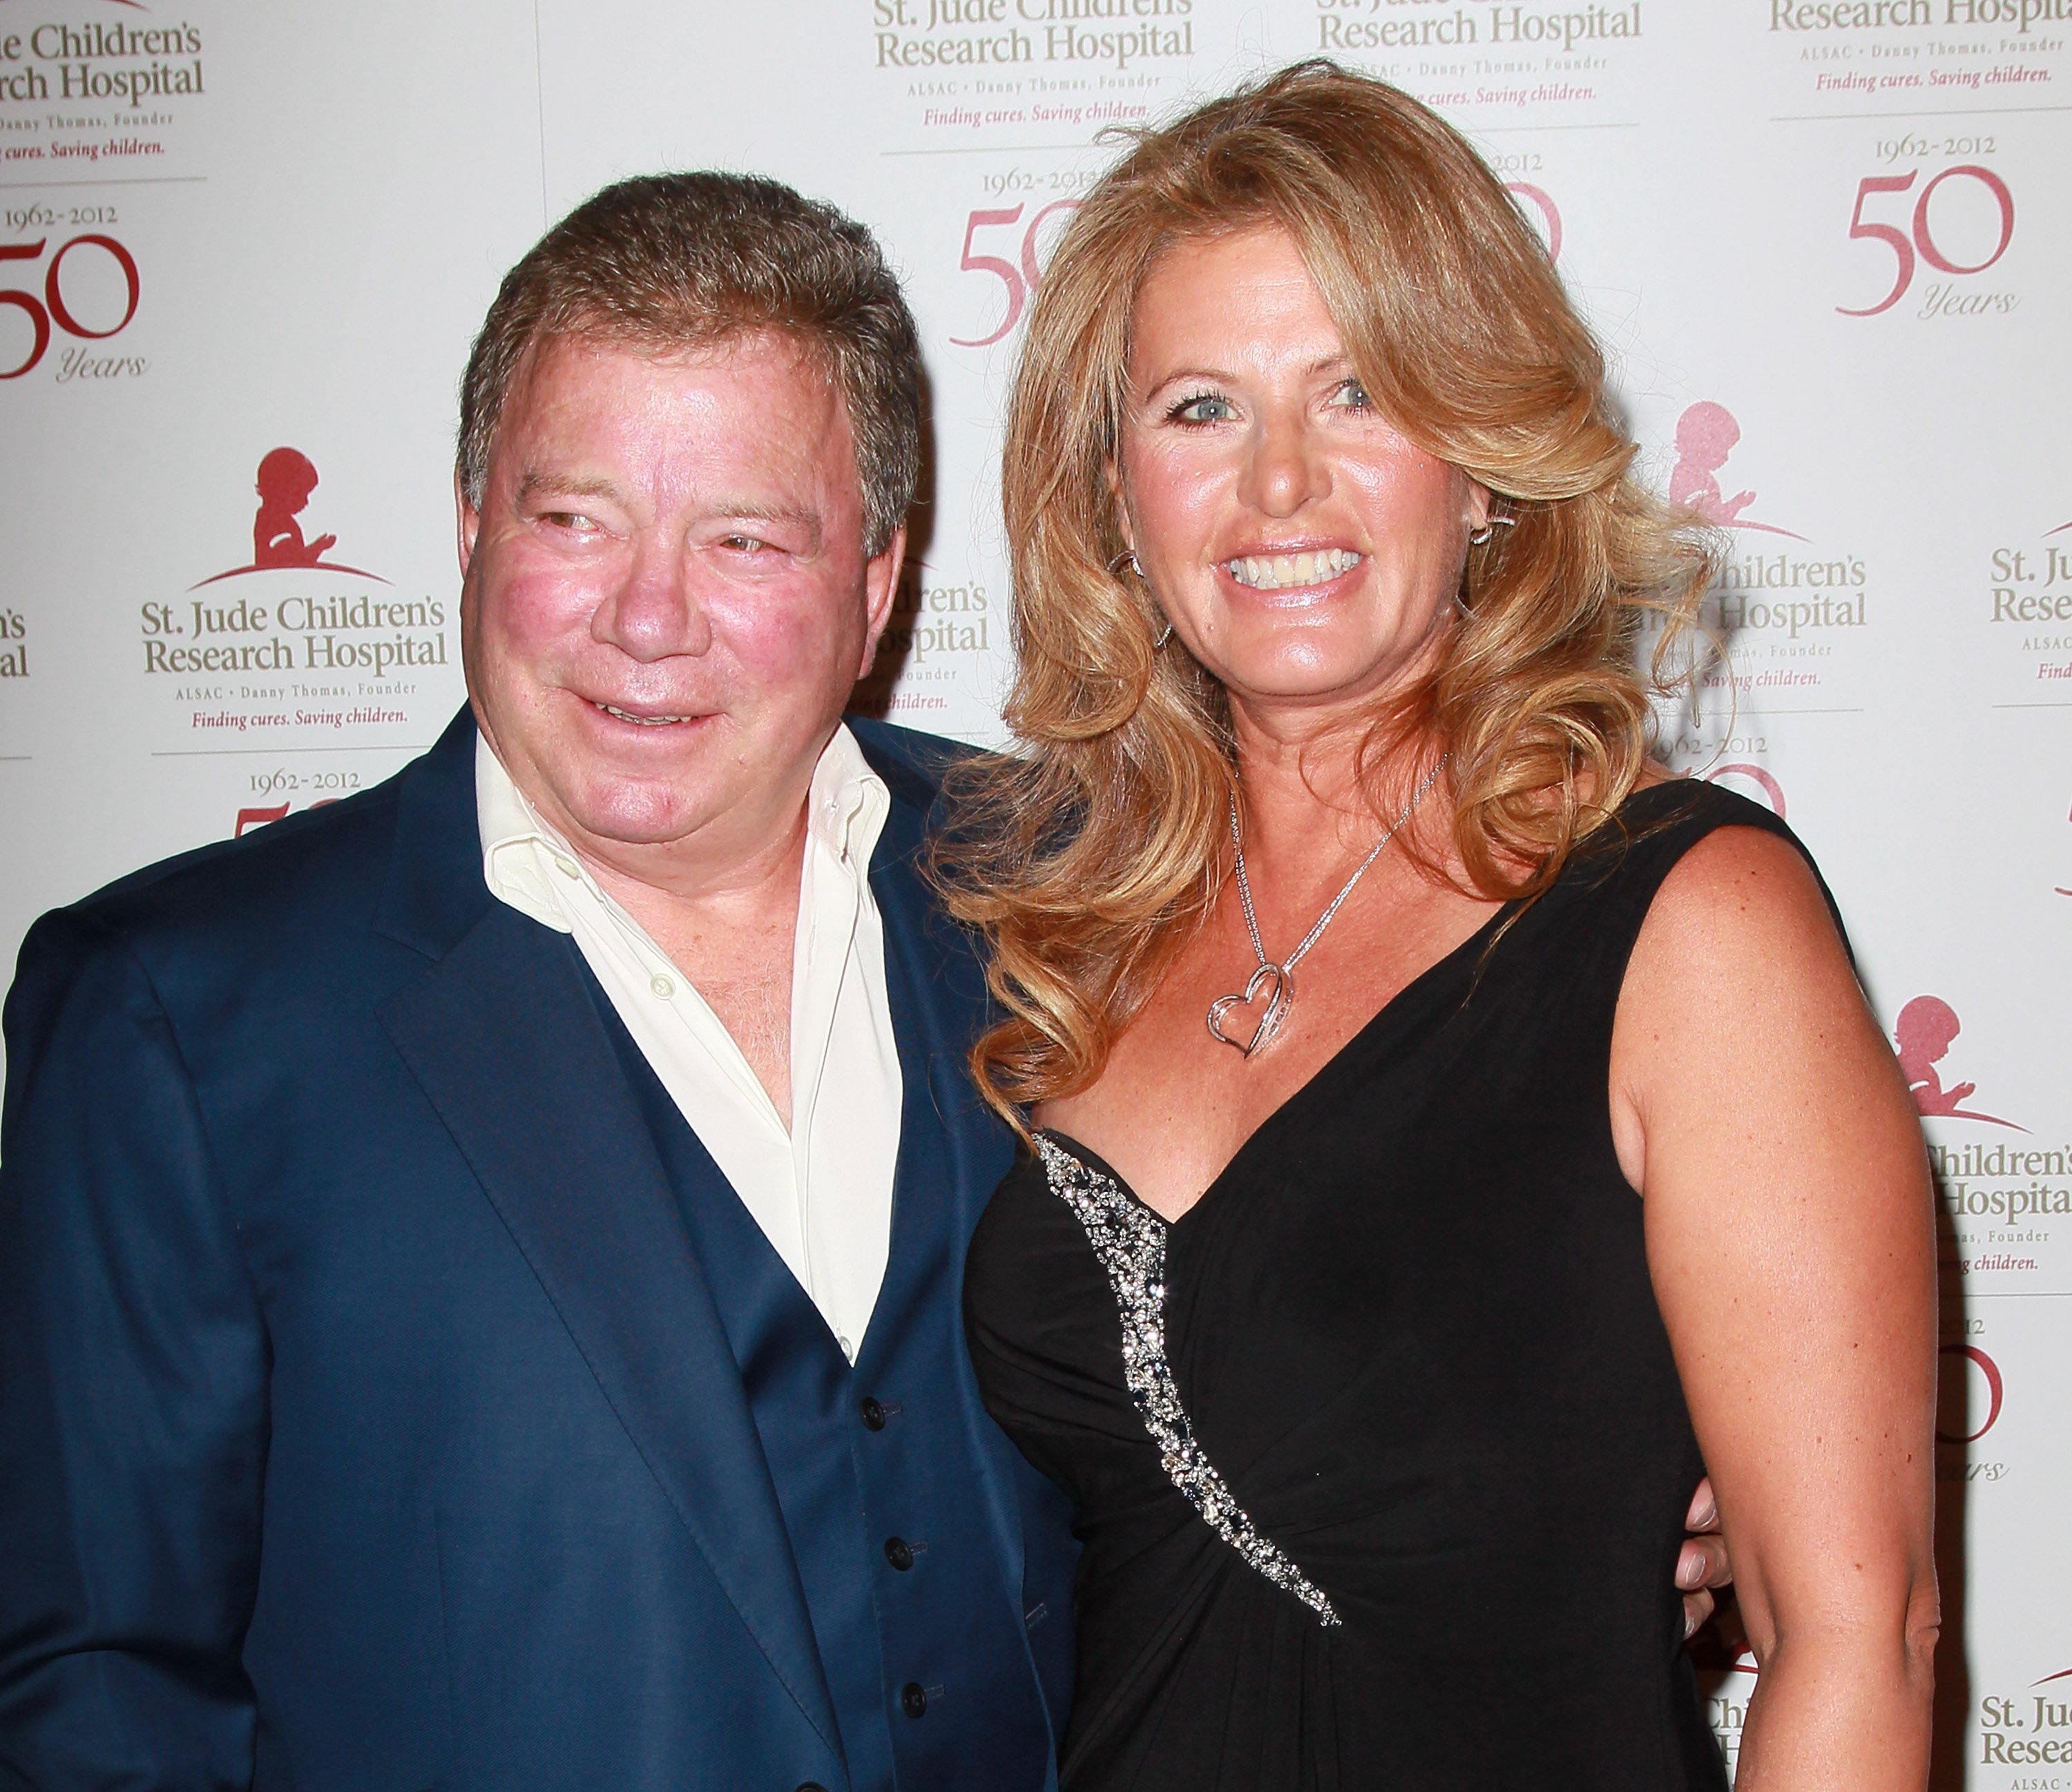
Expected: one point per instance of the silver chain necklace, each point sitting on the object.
(1278, 981)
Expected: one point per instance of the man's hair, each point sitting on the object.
(670, 262)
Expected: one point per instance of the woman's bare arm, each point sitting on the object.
(1790, 1236)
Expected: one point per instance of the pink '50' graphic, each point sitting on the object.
(1021, 275)
(1920, 241)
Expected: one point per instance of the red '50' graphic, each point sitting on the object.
(1923, 239)
(40, 312)
(1970, 1354)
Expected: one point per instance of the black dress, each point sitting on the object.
(1378, 1453)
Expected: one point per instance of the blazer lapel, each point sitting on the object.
(503, 1039)
(936, 989)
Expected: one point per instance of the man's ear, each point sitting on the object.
(467, 522)
(881, 584)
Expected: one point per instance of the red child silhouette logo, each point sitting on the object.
(1706, 434)
(285, 479)
(1927, 1025)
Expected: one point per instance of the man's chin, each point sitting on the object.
(610, 807)
(639, 817)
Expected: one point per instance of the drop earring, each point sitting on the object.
(1127, 559)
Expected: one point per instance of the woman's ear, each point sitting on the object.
(1112, 468)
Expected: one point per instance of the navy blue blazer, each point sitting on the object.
(365, 1418)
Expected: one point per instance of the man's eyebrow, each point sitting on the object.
(532, 484)
(749, 510)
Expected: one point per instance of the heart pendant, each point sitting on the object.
(1278, 1002)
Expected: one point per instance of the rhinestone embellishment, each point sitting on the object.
(1129, 1240)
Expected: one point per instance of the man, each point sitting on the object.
(479, 1265)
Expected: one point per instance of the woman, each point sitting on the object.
(1401, 1048)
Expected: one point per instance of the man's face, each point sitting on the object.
(665, 597)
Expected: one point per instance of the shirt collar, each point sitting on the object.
(847, 804)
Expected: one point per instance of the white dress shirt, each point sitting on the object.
(822, 1190)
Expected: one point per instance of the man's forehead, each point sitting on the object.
(609, 378)
(790, 351)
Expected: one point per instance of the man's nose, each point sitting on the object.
(1285, 467)
(654, 612)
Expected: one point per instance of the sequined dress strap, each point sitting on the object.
(1129, 1240)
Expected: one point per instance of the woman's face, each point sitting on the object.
(1306, 552)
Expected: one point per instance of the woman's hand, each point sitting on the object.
(1704, 1562)
(1757, 1105)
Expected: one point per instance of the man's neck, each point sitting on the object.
(733, 935)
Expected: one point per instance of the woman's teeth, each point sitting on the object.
(645, 721)
(1279, 572)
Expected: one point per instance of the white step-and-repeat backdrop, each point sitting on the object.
(1828, 243)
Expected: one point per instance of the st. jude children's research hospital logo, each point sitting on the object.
(300, 629)
(2002, 1190)
(1781, 610)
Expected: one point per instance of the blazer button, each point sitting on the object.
(810, 1785)
(874, 1413)
(900, 1554)
(913, 1699)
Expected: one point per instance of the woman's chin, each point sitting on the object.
(1316, 681)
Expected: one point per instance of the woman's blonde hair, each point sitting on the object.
(1086, 858)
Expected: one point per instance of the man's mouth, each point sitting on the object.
(643, 721)
(1285, 572)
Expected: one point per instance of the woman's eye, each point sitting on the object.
(1351, 395)
(1204, 407)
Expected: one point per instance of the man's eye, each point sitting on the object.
(1204, 407)
(573, 520)
(742, 544)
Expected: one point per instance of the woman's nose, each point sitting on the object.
(1284, 468)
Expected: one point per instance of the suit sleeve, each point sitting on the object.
(132, 1393)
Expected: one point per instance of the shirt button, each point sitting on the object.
(568, 868)
(874, 1413)
(662, 986)
(900, 1554)
(913, 1699)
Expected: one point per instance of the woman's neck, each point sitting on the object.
(1309, 803)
